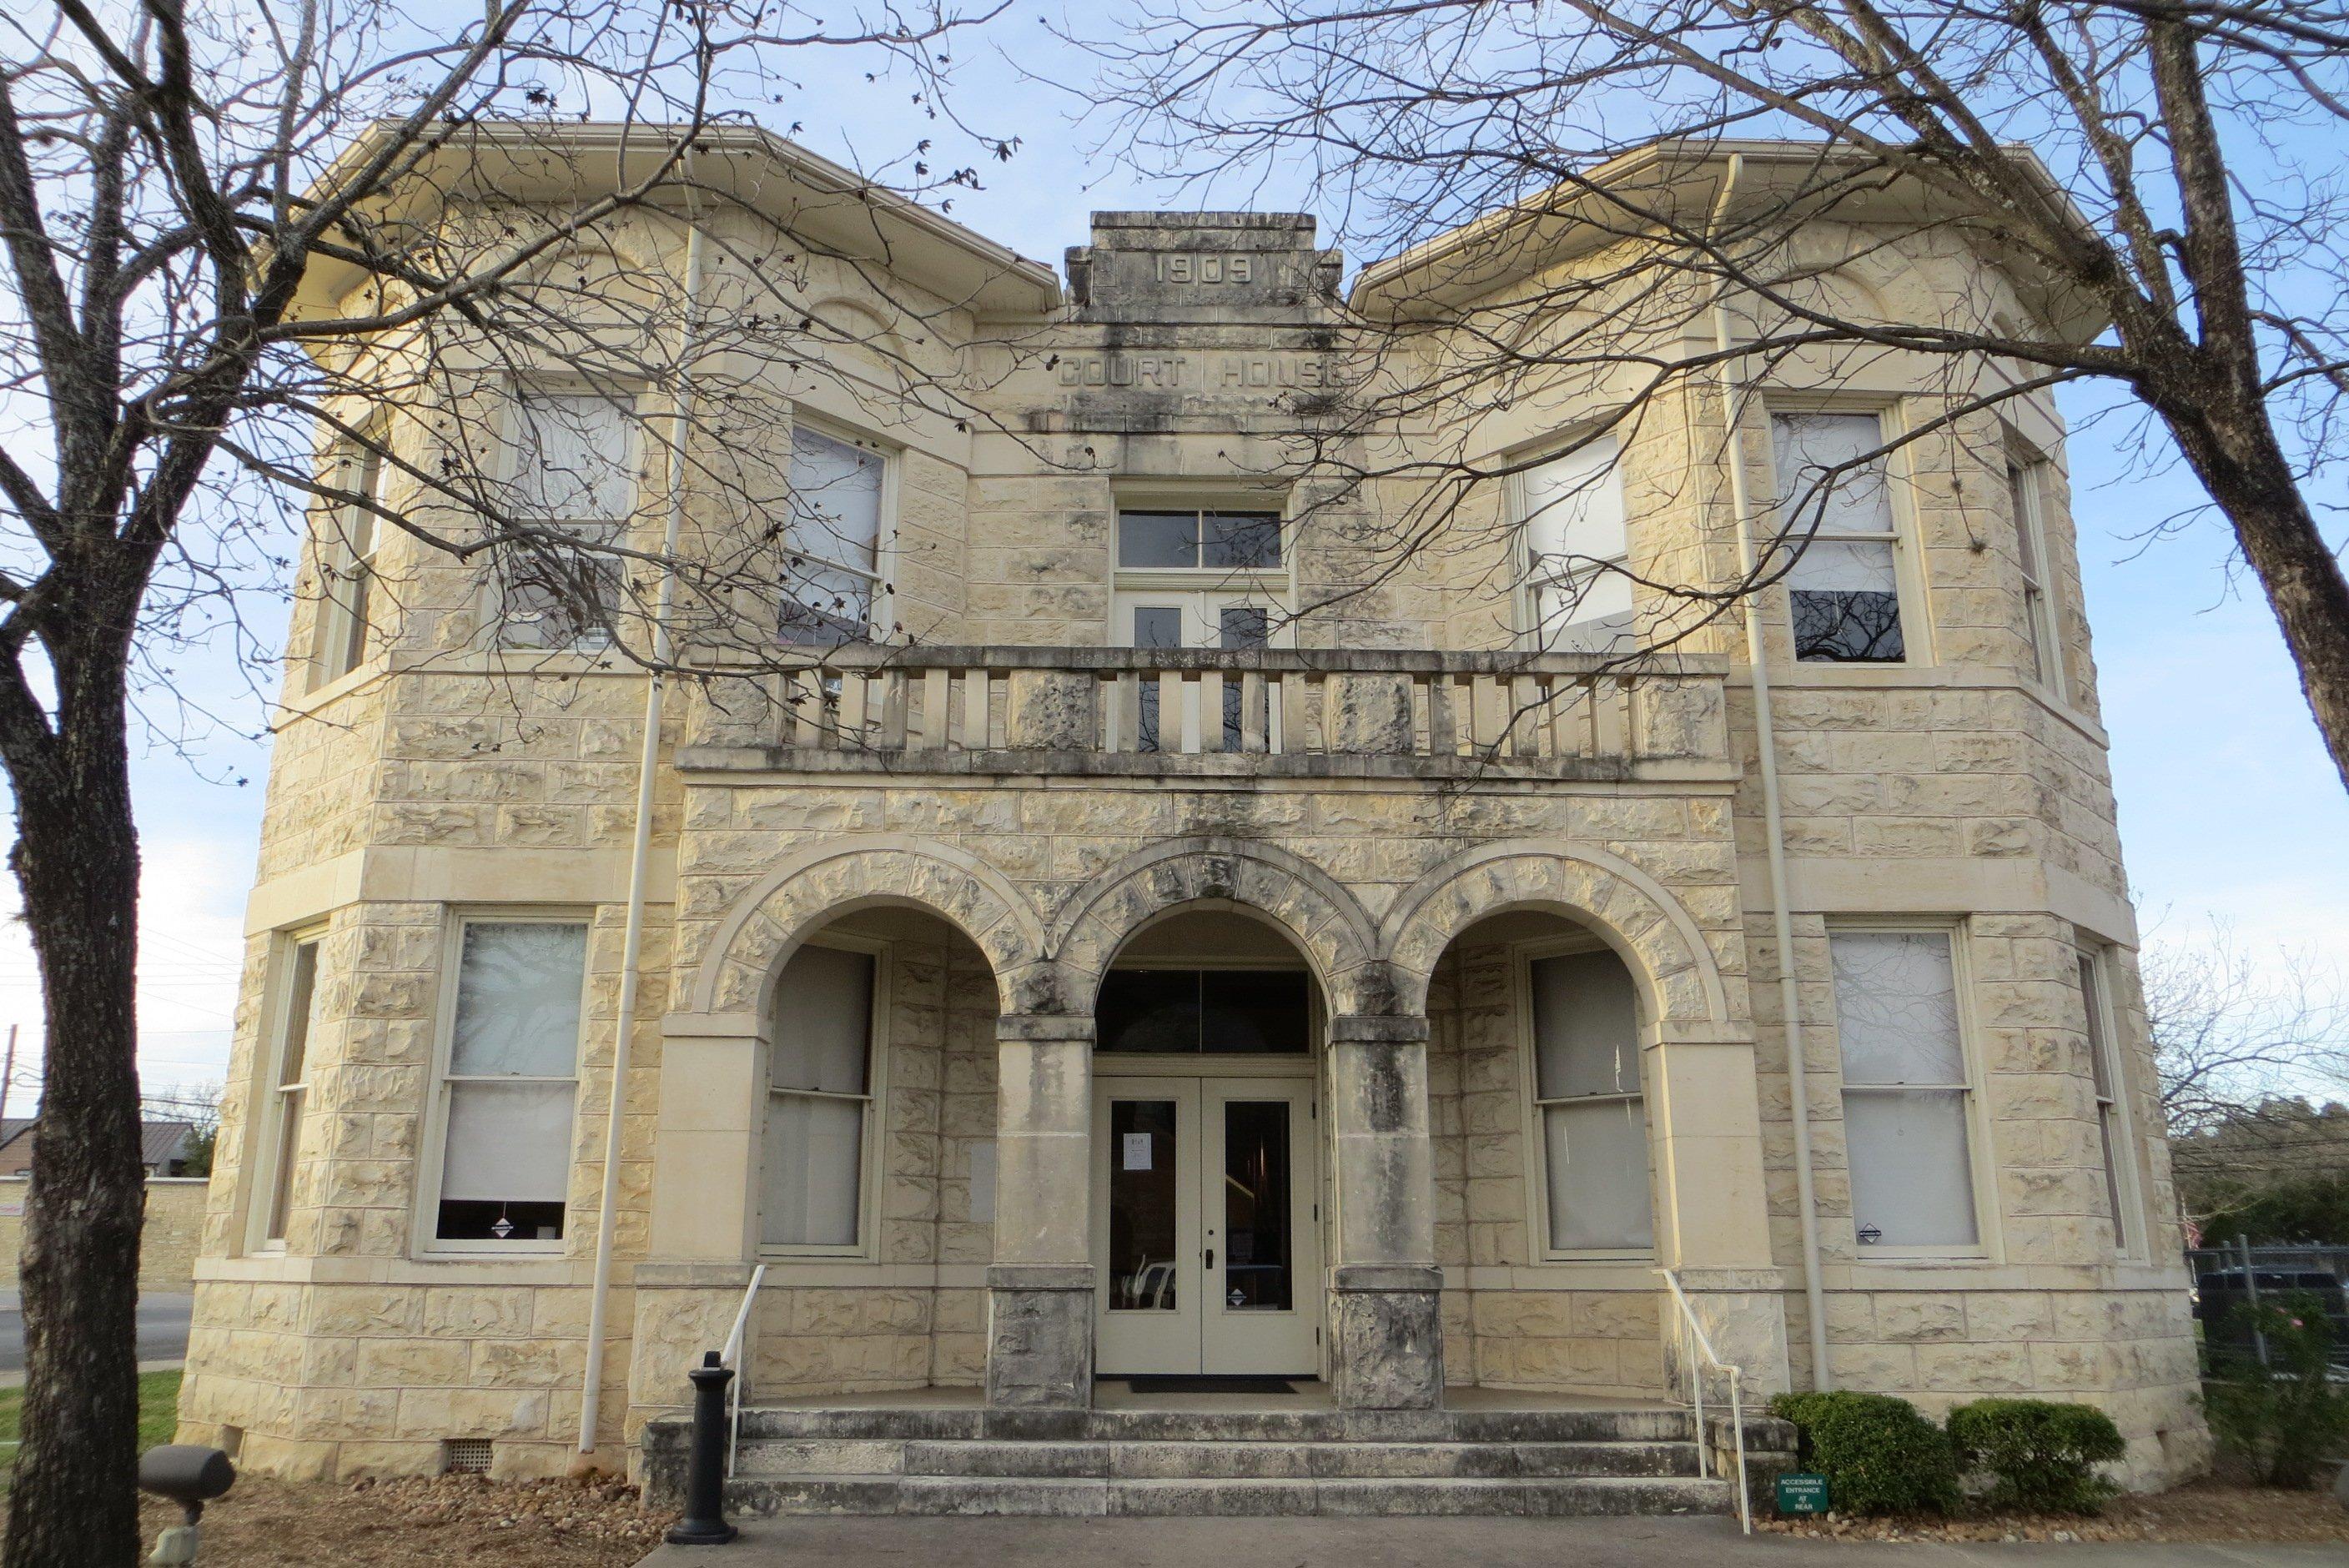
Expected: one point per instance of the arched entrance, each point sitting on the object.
(1208, 1169)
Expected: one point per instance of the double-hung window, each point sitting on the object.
(285, 1092)
(573, 491)
(348, 567)
(1907, 1089)
(510, 1088)
(1588, 1097)
(1569, 509)
(2027, 492)
(832, 564)
(1836, 509)
(819, 1101)
(2112, 1110)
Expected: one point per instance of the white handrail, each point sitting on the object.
(1696, 1388)
(732, 1357)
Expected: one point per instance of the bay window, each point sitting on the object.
(820, 1100)
(1906, 1088)
(1845, 584)
(510, 1084)
(1588, 1102)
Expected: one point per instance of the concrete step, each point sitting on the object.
(916, 1423)
(1169, 1460)
(1194, 1497)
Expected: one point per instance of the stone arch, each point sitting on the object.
(1623, 905)
(1313, 909)
(823, 882)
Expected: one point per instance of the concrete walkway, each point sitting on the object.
(1127, 1542)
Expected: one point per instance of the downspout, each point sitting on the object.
(632, 943)
(1735, 395)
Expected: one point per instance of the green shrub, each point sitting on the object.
(1878, 1453)
(2279, 1421)
(2043, 1455)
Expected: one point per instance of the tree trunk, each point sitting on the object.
(2234, 451)
(77, 862)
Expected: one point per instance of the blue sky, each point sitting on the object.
(2228, 806)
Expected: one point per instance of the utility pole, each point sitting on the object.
(7, 1072)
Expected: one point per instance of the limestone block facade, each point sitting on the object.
(980, 969)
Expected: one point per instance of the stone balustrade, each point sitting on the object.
(1267, 711)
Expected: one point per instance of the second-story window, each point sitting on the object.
(348, 566)
(1845, 587)
(832, 570)
(1577, 599)
(573, 489)
(2025, 492)
(1199, 577)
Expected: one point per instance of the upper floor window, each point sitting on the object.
(820, 1100)
(348, 566)
(1571, 510)
(831, 573)
(510, 1083)
(1907, 1089)
(286, 1090)
(1587, 1097)
(2112, 1111)
(1845, 587)
(2025, 489)
(574, 488)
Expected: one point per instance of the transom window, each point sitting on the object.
(1570, 509)
(832, 569)
(819, 1100)
(1201, 539)
(1845, 587)
(512, 1084)
(1906, 1088)
(575, 485)
(1588, 1097)
(1214, 1012)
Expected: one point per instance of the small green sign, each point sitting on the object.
(1800, 1494)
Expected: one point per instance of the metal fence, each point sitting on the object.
(2231, 1277)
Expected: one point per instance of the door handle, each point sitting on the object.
(1211, 1257)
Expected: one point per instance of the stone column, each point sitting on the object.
(1040, 1289)
(1386, 1330)
(1706, 1124)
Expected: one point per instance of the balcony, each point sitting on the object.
(1269, 713)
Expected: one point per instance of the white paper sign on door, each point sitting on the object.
(1137, 1151)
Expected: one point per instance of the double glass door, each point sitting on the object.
(1208, 1231)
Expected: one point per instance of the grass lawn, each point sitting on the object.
(159, 1416)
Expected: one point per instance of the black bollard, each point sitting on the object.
(704, 1523)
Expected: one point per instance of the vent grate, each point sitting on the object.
(465, 1456)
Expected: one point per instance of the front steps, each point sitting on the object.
(971, 1462)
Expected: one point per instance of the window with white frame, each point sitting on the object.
(348, 566)
(573, 489)
(511, 1086)
(820, 1100)
(1570, 508)
(1835, 508)
(287, 1092)
(831, 567)
(1587, 1097)
(1907, 1089)
(2027, 492)
(1199, 576)
(2112, 1111)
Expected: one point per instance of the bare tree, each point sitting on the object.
(2233, 1036)
(232, 246)
(2157, 177)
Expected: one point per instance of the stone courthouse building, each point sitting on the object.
(1195, 969)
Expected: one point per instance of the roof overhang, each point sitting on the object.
(826, 205)
(1675, 185)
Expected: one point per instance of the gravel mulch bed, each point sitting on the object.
(2205, 1510)
(441, 1521)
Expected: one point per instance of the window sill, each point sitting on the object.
(450, 1253)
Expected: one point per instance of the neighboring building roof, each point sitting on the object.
(159, 1143)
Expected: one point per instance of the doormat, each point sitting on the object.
(1210, 1384)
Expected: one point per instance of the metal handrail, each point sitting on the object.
(732, 1357)
(1696, 1388)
